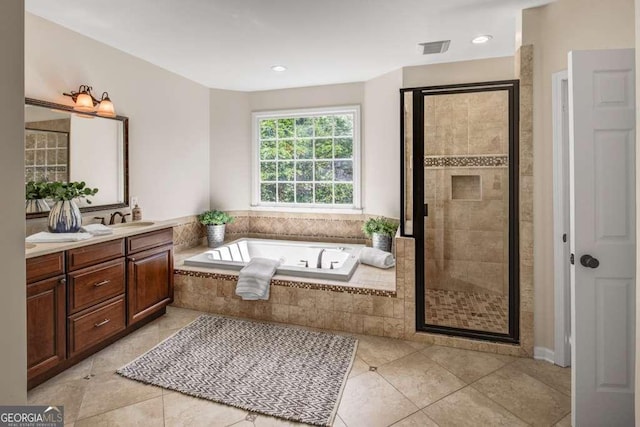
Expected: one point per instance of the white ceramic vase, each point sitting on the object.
(36, 206)
(65, 217)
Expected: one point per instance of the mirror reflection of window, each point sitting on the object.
(63, 146)
(46, 145)
(46, 155)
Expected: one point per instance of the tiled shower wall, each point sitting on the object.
(467, 192)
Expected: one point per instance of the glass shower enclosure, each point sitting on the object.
(460, 203)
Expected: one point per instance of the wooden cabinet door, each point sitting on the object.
(46, 338)
(149, 282)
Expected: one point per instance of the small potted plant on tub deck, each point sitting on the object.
(65, 216)
(381, 231)
(216, 222)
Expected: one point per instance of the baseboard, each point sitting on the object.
(542, 353)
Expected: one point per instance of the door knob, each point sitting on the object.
(589, 261)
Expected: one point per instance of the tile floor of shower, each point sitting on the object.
(467, 310)
(392, 383)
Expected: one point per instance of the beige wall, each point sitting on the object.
(169, 115)
(380, 123)
(381, 145)
(637, 40)
(554, 30)
(480, 70)
(230, 150)
(307, 97)
(13, 357)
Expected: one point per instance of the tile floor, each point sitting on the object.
(468, 310)
(392, 383)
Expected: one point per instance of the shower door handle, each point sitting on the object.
(426, 209)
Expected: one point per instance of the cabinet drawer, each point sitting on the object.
(95, 284)
(45, 266)
(94, 254)
(149, 240)
(87, 329)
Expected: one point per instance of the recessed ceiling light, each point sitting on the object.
(279, 68)
(481, 39)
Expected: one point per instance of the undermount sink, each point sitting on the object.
(29, 245)
(133, 224)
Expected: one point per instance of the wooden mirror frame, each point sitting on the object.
(125, 155)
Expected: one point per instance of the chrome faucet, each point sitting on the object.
(112, 218)
(320, 254)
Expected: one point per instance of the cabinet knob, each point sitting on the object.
(62, 281)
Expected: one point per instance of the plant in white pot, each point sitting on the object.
(35, 195)
(216, 222)
(65, 216)
(381, 231)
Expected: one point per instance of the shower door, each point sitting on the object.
(463, 167)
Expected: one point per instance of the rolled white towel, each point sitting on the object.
(376, 258)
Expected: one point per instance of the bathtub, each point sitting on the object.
(338, 261)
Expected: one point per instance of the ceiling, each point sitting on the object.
(232, 44)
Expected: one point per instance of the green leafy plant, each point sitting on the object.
(379, 225)
(215, 217)
(36, 190)
(60, 191)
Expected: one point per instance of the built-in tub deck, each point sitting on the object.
(366, 280)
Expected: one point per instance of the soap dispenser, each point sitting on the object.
(137, 213)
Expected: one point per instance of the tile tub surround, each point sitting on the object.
(336, 228)
(361, 311)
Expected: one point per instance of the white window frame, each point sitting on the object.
(256, 204)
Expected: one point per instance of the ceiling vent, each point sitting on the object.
(435, 47)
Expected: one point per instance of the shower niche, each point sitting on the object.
(460, 203)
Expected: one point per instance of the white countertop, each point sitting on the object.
(37, 249)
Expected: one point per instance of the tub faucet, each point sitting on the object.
(320, 254)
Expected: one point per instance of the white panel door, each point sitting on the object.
(602, 210)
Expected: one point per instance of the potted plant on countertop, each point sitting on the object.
(35, 194)
(381, 231)
(216, 222)
(65, 215)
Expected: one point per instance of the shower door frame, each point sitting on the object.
(418, 232)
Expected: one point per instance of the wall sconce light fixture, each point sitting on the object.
(85, 102)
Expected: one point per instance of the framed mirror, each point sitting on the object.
(64, 145)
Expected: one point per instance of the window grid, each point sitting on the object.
(295, 160)
(46, 155)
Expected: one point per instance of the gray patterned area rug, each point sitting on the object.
(286, 372)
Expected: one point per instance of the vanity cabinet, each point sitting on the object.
(83, 299)
(96, 294)
(150, 274)
(46, 332)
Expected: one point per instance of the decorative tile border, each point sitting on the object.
(501, 161)
(292, 284)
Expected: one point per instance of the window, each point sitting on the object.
(307, 158)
